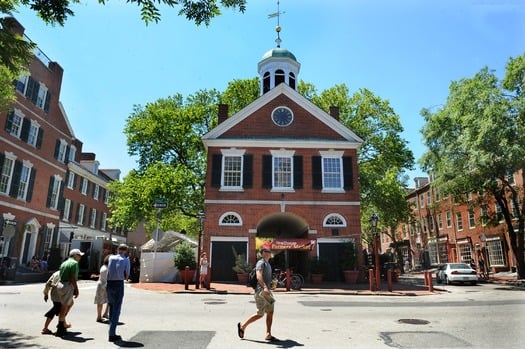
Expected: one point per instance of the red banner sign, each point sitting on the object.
(293, 244)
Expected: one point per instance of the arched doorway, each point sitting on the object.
(288, 233)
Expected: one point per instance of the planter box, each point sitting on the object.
(351, 276)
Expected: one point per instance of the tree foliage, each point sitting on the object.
(477, 140)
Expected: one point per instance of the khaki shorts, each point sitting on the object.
(262, 304)
(65, 292)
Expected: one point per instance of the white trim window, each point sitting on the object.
(72, 153)
(334, 220)
(55, 191)
(21, 84)
(83, 187)
(495, 251)
(80, 214)
(67, 210)
(282, 169)
(332, 169)
(25, 176)
(62, 149)
(41, 96)
(459, 221)
(96, 192)
(232, 167)
(449, 219)
(106, 196)
(231, 219)
(103, 221)
(93, 218)
(15, 120)
(7, 173)
(71, 180)
(32, 136)
(471, 219)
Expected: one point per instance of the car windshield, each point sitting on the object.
(459, 266)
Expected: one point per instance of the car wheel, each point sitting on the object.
(438, 279)
(447, 281)
(473, 283)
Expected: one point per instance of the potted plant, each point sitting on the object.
(317, 267)
(349, 262)
(242, 268)
(185, 257)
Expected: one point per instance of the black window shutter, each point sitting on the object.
(88, 187)
(247, 175)
(9, 121)
(48, 99)
(50, 191)
(61, 199)
(71, 206)
(77, 213)
(75, 181)
(30, 87)
(31, 185)
(216, 164)
(57, 148)
(317, 173)
(298, 172)
(66, 160)
(85, 215)
(24, 132)
(2, 158)
(15, 182)
(348, 173)
(267, 171)
(39, 138)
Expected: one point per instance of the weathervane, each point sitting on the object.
(278, 28)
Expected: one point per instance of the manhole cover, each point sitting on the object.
(413, 321)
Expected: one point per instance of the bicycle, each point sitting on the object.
(279, 280)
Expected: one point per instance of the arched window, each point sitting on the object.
(279, 77)
(334, 220)
(291, 80)
(230, 218)
(266, 82)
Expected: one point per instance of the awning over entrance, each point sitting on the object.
(282, 224)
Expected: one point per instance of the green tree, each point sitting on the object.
(383, 157)
(477, 140)
(16, 53)
(166, 137)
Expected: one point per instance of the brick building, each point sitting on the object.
(280, 169)
(444, 230)
(46, 180)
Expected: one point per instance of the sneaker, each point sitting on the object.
(114, 338)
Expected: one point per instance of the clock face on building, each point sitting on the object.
(282, 116)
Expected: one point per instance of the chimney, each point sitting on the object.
(334, 112)
(223, 112)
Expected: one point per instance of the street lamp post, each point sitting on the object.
(201, 216)
(373, 220)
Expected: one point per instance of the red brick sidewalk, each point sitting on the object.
(325, 288)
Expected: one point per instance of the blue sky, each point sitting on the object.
(405, 51)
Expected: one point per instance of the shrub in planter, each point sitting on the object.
(185, 256)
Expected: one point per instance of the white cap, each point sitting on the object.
(74, 252)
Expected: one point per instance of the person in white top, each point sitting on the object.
(101, 296)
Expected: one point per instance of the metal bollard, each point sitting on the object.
(186, 278)
(288, 278)
(430, 286)
(389, 279)
(371, 278)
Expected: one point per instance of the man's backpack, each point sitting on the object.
(252, 279)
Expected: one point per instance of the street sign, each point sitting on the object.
(160, 203)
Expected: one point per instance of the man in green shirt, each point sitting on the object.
(67, 289)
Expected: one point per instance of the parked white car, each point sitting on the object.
(456, 272)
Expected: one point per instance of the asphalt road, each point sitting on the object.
(483, 316)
